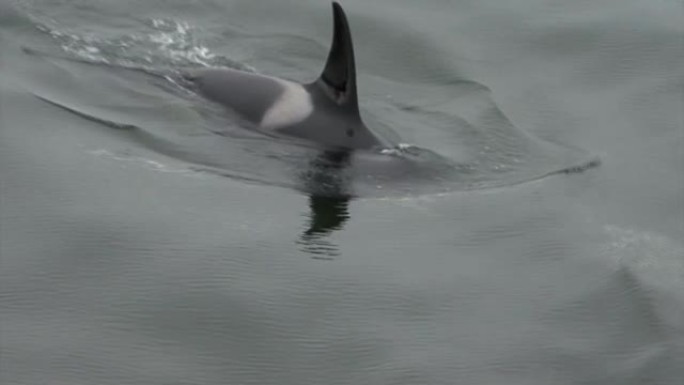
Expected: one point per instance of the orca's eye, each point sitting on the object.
(350, 132)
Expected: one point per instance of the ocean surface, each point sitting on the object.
(525, 227)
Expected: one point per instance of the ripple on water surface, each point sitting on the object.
(478, 146)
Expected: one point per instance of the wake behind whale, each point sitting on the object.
(277, 132)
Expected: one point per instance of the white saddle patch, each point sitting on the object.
(293, 106)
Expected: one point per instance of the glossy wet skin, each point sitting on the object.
(253, 96)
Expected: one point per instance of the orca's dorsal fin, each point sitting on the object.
(339, 75)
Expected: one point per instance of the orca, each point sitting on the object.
(325, 111)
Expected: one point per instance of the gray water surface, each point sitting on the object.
(527, 229)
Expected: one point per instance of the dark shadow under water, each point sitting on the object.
(327, 185)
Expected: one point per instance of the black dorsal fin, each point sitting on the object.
(339, 75)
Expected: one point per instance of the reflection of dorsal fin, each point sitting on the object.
(339, 75)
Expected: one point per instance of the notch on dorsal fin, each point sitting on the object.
(339, 75)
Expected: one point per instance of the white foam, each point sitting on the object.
(293, 106)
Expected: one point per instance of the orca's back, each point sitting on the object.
(248, 94)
